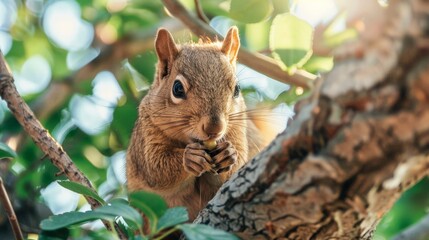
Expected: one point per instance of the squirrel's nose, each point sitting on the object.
(213, 126)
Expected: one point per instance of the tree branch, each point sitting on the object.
(7, 205)
(256, 61)
(200, 12)
(40, 135)
(418, 231)
(350, 151)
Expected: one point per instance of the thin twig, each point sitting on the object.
(200, 12)
(7, 205)
(40, 135)
(256, 61)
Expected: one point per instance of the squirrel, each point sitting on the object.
(195, 98)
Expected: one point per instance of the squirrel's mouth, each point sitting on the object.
(215, 137)
(218, 139)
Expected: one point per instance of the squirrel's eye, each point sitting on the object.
(237, 91)
(178, 90)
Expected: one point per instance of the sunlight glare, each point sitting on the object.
(299, 91)
(95, 157)
(383, 3)
(116, 5)
(36, 6)
(93, 114)
(13, 143)
(107, 33)
(59, 199)
(106, 88)
(250, 78)
(5, 42)
(316, 12)
(8, 14)
(117, 162)
(221, 24)
(34, 76)
(77, 59)
(63, 25)
(89, 116)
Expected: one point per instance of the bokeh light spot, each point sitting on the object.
(64, 26)
(34, 76)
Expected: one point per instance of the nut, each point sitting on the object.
(210, 144)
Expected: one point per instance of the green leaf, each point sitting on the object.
(110, 212)
(123, 226)
(6, 151)
(122, 209)
(204, 232)
(291, 41)
(289, 96)
(250, 11)
(143, 64)
(71, 218)
(173, 216)
(79, 188)
(152, 205)
(319, 64)
(280, 6)
(59, 234)
(256, 35)
(141, 83)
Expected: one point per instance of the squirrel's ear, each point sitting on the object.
(231, 44)
(166, 50)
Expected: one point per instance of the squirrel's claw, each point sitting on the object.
(225, 157)
(196, 160)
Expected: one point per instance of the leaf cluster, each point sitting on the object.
(161, 221)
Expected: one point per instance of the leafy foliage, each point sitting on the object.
(162, 221)
(239, 10)
(152, 205)
(201, 232)
(6, 151)
(291, 41)
(78, 188)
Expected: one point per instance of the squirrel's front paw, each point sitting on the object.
(196, 160)
(225, 156)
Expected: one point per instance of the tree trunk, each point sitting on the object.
(353, 148)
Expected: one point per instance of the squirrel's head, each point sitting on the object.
(195, 93)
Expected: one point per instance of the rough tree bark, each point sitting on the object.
(352, 149)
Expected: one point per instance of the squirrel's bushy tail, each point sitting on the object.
(264, 124)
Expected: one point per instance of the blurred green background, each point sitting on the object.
(83, 66)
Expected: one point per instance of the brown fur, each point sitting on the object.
(156, 158)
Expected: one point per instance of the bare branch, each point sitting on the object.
(256, 61)
(40, 135)
(418, 231)
(200, 12)
(7, 205)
